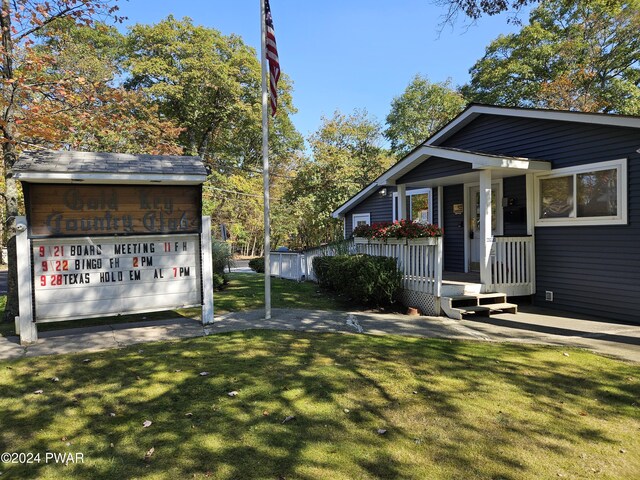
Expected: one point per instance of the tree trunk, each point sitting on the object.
(9, 156)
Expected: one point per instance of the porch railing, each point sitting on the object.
(512, 266)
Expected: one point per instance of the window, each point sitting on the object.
(419, 205)
(594, 194)
(360, 219)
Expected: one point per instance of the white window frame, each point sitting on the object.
(358, 217)
(622, 192)
(410, 194)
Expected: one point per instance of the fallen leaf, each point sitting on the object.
(289, 418)
(565, 354)
(265, 413)
(177, 370)
(38, 392)
(381, 431)
(346, 410)
(622, 450)
(112, 414)
(147, 423)
(233, 394)
(55, 379)
(204, 374)
(188, 415)
(86, 360)
(147, 456)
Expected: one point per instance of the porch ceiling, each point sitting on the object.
(502, 165)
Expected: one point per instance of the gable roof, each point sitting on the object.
(474, 110)
(99, 167)
(478, 160)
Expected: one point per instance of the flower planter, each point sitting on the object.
(360, 240)
(423, 241)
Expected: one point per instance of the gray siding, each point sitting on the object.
(453, 245)
(380, 209)
(593, 270)
(435, 167)
(516, 189)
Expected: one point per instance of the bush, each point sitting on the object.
(221, 258)
(257, 264)
(321, 270)
(364, 279)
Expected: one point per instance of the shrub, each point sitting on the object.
(257, 264)
(221, 258)
(321, 270)
(362, 278)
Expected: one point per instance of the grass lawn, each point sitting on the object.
(245, 291)
(450, 410)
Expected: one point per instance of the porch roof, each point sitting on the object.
(477, 160)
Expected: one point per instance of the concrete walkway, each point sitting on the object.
(529, 326)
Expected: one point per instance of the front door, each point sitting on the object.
(473, 209)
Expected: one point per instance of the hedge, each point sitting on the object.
(364, 279)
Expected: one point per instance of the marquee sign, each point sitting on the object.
(85, 277)
(80, 210)
(110, 234)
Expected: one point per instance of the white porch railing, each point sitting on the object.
(512, 266)
(420, 261)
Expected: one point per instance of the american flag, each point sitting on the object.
(272, 57)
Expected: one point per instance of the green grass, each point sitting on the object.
(245, 291)
(451, 410)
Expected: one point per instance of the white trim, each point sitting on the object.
(477, 161)
(497, 182)
(363, 215)
(109, 178)
(409, 194)
(621, 219)
(577, 117)
(440, 206)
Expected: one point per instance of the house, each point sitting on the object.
(552, 197)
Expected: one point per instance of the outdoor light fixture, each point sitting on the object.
(383, 192)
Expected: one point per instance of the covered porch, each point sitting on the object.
(488, 246)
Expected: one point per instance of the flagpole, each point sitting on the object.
(265, 166)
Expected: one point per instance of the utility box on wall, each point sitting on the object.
(112, 234)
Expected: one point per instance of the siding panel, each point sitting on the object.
(453, 245)
(592, 270)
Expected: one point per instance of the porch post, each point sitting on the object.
(486, 237)
(402, 202)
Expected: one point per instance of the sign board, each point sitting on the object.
(458, 208)
(96, 276)
(87, 210)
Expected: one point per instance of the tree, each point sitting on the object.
(420, 111)
(21, 71)
(347, 154)
(577, 56)
(474, 9)
(209, 84)
(95, 113)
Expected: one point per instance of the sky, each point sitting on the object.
(343, 54)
